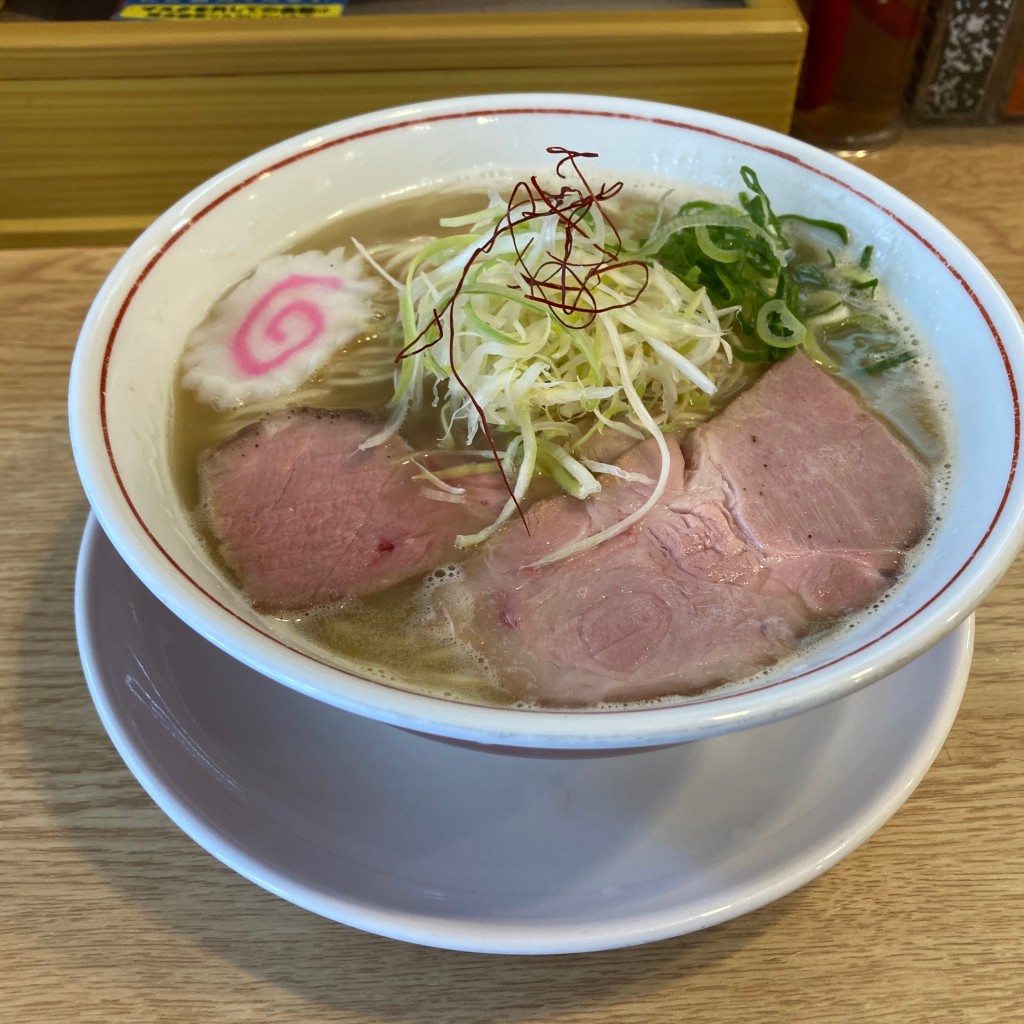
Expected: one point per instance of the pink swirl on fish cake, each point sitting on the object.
(244, 344)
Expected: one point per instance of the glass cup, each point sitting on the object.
(855, 70)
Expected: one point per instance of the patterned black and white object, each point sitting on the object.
(959, 59)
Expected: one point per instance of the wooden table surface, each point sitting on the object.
(109, 913)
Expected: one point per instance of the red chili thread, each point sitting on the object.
(566, 286)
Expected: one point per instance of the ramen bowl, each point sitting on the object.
(128, 353)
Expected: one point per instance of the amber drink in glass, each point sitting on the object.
(859, 54)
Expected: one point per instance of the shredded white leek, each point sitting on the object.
(539, 369)
(425, 474)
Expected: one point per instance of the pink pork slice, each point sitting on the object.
(793, 506)
(303, 517)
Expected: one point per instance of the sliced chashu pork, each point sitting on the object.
(793, 505)
(304, 517)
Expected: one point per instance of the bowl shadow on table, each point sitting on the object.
(110, 820)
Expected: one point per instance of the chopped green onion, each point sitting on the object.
(840, 230)
(881, 365)
(778, 326)
(869, 285)
(716, 252)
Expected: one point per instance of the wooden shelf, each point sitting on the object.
(104, 124)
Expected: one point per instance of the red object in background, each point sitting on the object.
(827, 23)
(1015, 99)
(896, 18)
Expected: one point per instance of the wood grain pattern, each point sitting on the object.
(73, 165)
(538, 38)
(108, 913)
(106, 124)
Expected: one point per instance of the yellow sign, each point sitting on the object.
(216, 12)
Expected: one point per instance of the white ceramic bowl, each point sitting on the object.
(132, 338)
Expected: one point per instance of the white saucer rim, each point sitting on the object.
(512, 938)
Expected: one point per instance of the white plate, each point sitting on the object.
(435, 844)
